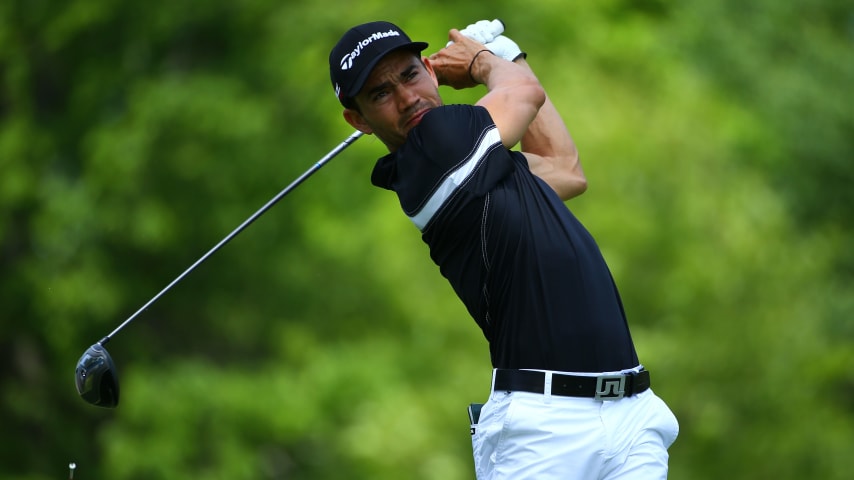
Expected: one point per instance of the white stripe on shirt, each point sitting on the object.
(455, 179)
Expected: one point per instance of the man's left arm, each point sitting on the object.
(547, 144)
(551, 152)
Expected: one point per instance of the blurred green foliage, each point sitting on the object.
(717, 137)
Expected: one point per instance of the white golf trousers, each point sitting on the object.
(524, 435)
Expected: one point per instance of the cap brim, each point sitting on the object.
(363, 76)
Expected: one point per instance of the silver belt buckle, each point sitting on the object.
(610, 387)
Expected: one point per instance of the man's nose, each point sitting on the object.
(406, 98)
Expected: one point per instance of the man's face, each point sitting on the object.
(399, 91)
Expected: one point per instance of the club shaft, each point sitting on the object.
(320, 163)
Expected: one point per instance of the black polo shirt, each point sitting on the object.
(527, 270)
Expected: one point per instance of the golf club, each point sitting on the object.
(96, 377)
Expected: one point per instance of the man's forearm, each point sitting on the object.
(553, 154)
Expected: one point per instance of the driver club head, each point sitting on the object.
(96, 377)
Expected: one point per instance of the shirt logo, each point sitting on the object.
(347, 60)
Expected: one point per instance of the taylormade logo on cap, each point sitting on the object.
(347, 61)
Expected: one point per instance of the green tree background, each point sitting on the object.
(717, 137)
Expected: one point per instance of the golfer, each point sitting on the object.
(569, 397)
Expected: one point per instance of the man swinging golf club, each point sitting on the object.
(569, 397)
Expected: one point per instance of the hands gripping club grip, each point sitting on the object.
(489, 33)
(483, 31)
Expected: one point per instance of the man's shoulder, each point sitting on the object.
(450, 129)
(456, 116)
(446, 137)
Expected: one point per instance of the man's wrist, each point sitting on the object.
(473, 60)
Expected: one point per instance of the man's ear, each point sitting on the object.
(354, 118)
(429, 66)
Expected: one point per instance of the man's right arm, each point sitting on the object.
(514, 95)
(520, 108)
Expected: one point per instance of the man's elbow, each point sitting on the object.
(572, 186)
(573, 182)
(532, 95)
(538, 94)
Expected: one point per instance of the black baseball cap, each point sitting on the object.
(358, 52)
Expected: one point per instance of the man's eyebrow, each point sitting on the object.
(382, 86)
(378, 88)
(408, 70)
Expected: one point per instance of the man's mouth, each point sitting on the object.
(416, 118)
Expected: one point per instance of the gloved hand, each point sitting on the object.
(505, 48)
(483, 31)
(489, 33)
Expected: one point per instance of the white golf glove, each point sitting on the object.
(488, 32)
(483, 31)
(505, 48)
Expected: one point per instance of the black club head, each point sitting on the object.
(96, 377)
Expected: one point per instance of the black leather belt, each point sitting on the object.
(603, 387)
